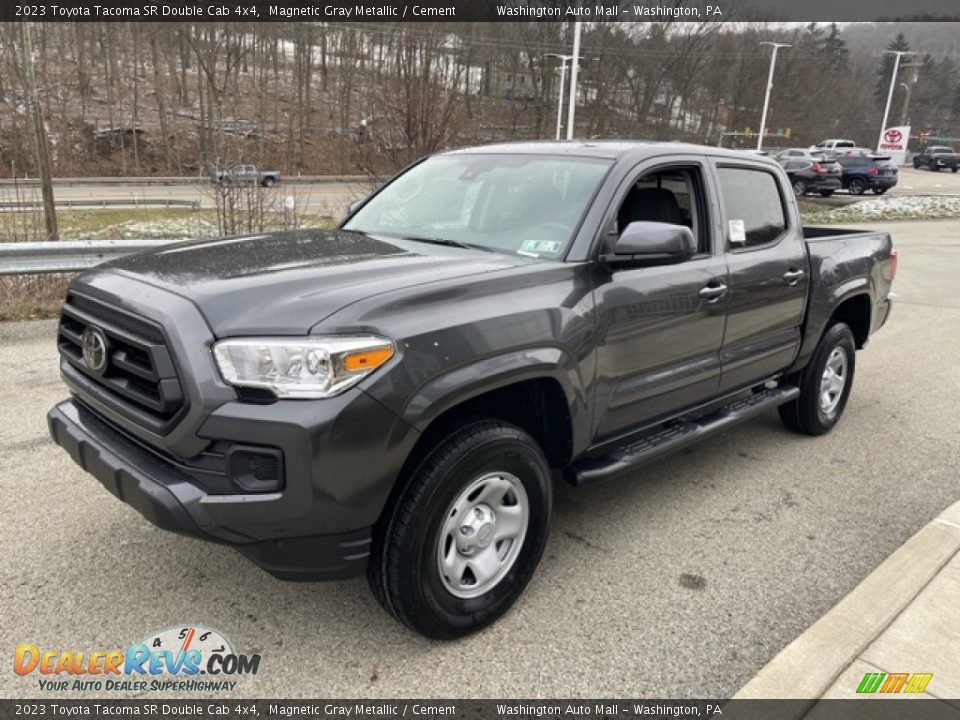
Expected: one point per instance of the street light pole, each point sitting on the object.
(563, 77)
(574, 67)
(893, 84)
(766, 98)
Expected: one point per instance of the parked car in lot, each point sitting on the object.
(936, 158)
(833, 146)
(807, 174)
(246, 174)
(867, 172)
(394, 396)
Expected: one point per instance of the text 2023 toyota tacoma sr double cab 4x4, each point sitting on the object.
(394, 396)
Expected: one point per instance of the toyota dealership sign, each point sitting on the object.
(893, 142)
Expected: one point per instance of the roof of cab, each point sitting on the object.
(608, 149)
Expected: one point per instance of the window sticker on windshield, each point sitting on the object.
(738, 232)
(540, 246)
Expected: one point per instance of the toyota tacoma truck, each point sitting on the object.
(396, 396)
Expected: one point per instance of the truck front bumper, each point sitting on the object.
(316, 527)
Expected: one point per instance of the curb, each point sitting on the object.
(809, 665)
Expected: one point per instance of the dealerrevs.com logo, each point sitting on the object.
(187, 658)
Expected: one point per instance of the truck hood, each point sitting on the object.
(285, 283)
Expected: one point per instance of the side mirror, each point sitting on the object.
(352, 208)
(653, 243)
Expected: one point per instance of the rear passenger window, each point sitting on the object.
(755, 214)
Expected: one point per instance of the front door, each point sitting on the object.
(660, 327)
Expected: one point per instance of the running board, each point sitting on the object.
(674, 436)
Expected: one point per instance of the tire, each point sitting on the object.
(799, 187)
(269, 182)
(857, 186)
(420, 539)
(954, 169)
(815, 412)
(916, 165)
(935, 167)
(826, 193)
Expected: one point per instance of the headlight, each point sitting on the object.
(301, 367)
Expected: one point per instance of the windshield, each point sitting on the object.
(524, 204)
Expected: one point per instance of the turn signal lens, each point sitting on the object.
(367, 360)
(893, 264)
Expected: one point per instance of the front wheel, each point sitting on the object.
(954, 169)
(269, 182)
(466, 533)
(857, 186)
(824, 384)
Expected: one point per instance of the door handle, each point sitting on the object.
(793, 276)
(712, 293)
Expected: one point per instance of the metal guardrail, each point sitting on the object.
(102, 203)
(182, 180)
(34, 258)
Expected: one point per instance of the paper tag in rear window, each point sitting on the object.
(738, 232)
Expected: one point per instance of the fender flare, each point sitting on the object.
(444, 392)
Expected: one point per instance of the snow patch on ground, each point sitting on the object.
(915, 207)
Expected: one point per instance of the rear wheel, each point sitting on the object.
(467, 532)
(934, 167)
(857, 186)
(799, 187)
(824, 384)
(269, 182)
(954, 169)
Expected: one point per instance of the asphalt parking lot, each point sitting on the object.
(680, 581)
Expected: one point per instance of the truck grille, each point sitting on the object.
(125, 365)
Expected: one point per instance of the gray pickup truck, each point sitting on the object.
(395, 396)
(246, 175)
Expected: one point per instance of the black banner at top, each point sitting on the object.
(480, 10)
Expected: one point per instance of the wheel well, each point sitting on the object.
(538, 406)
(855, 312)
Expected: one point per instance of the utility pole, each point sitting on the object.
(904, 119)
(40, 139)
(564, 59)
(893, 84)
(574, 67)
(766, 98)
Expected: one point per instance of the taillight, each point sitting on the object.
(873, 171)
(893, 264)
(816, 168)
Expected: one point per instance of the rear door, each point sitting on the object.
(768, 273)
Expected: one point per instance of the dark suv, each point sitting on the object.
(808, 174)
(863, 172)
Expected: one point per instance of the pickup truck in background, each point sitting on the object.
(395, 396)
(246, 175)
(936, 158)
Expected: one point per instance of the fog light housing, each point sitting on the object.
(255, 469)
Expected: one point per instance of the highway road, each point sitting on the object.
(334, 197)
(682, 580)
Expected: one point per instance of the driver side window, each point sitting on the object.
(666, 196)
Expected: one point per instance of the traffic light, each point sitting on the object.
(787, 133)
(748, 133)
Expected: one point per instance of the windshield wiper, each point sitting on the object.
(448, 243)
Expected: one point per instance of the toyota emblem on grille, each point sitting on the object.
(94, 349)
